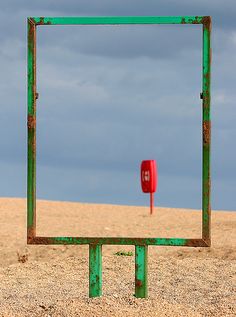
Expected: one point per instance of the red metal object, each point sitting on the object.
(149, 179)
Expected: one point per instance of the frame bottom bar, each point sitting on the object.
(178, 242)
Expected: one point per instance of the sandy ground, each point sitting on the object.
(53, 280)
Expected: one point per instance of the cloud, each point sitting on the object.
(224, 13)
(127, 42)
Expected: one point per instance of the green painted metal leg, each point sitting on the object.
(95, 270)
(141, 252)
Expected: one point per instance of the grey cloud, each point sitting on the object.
(108, 101)
(122, 41)
(224, 14)
(143, 121)
(13, 13)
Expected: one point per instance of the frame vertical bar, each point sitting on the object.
(206, 131)
(95, 270)
(141, 253)
(31, 122)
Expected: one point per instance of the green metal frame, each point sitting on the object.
(95, 243)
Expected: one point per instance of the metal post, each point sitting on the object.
(141, 252)
(151, 203)
(95, 270)
(31, 183)
(206, 131)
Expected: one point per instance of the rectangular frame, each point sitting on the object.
(33, 23)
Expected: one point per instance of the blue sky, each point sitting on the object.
(111, 97)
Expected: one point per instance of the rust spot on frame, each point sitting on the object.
(196, 20)
(206, 101)
(138, 283)
(31, 232)
(43, 240)
(31, 122)
(206, 132)
(207, 242)
(206, 21)
(195, 243)
(32, 21)
(207, 75)
(31, 34)
(42, 22)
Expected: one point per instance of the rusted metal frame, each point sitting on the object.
(141, 271)
(32, 96)
(31, 175)
(95, 270)
(120, 241)
(119, 20)
(206, 133)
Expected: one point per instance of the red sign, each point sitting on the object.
(149, 176)
(149, 179)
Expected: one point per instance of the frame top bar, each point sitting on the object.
(120, 20)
